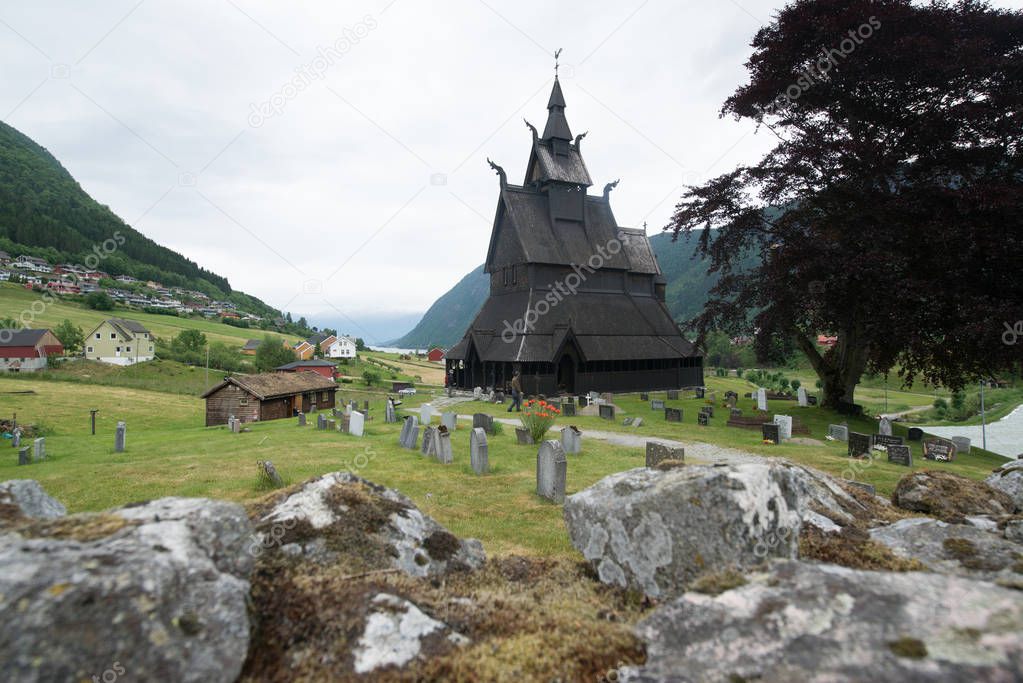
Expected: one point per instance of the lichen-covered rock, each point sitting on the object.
(397, 632)
(340, 517)
(962, 549)
(1009, 480)
(949, 497)
(159, 589)
(656, 531)
(819, 622)
(21, 498)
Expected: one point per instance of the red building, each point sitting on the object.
(319, 366)
(27, 350)
(436, 355)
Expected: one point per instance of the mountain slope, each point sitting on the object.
(687, 291)
(44, 212)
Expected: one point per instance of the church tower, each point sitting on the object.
(576, 302)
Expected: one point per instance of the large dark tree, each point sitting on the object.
(890, 211)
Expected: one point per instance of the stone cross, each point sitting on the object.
(551, 471)
(571, 439)
(442, 446)
(119, 437)
(449, 420)
(39, 449)
(357, 424)
(657, 453)
(478, 451)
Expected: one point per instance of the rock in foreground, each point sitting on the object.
(1009, 480)
(156, 591)
(803, 622)
(20, 498)
(949, 497)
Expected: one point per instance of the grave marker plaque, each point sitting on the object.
(571, 439)
(887, 440)
(627, 422)
(900, 455)
(941, 450)
(484, 421)
(607, 412)
(771, 432)
(703, 419)
(23, 457)
(673, 414)
(637, 421)
(357, 423)
(449, 420)
(568, 409)
(859, 445)
(657, 404)
(838, 432)
(657, 453)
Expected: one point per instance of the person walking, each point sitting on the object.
(516, 388)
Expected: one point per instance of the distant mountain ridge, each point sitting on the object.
(688, 289)
(44, 212)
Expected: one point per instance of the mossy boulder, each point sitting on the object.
(949, 497)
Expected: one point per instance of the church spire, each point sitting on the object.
(557, 124)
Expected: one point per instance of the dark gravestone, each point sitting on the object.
(941, 450)
(703, 419)
(915, 434)
(673, 395)
(584, 401)
(627, 422)
(606, 412)
(301, 419)
(708, 409)
(885, 440)
(568, 409)
(657, 453)
(657, 404)
(568, 400)
(771, 432)
(673, 414)
(644, 397)
(859, 445)
(700, 392)
(812, 400)
(735, 412)
(900, 455)
(483, 421)
(23, 456)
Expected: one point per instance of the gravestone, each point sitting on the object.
(771, 432)
(708, 409)
(712, 397)
(39, 449)
(859, 445)
(484, 421)
(568, 400)
(838, 432)
(16, 438)
(884, 427)
(236, 425)
(270, 472)
(499, 397)
(23, 457)
(425, 414)
(409, 433)
(321, 421)
(734, 412)
(915, 434)
(762, 399)
(334, 412)
(703, 419)
(637, 421)
(523, 436)
(119, 437)
(389, 414)
(607, 412)
(962, 444)
(442, 446)
(801, 397)
(657, 453)
(627, 422)
(644, 397)
(731, 401)
(784, 423)
(900, 455)
(568, 410)
(365, 406)
(941, 450)
(657, 404)
(429, 436)
(345, 423)
(357, 424)
(477, 393)
(673, 414)
(478, 451)
(812, 400)
(571, 439)
(551, 471)
(887, 440)
(331, 425)
(700, 392)
(449, 420)
(301, 419)
(672, 394)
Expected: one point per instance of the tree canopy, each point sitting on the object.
(889, 210)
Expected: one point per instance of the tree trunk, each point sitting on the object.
(839, 369)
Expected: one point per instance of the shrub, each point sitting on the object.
(99, 301)
(371, 377)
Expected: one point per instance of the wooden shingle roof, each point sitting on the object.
(276, 384)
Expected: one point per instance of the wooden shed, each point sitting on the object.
(269, 396)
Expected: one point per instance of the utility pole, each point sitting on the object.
(207, 366)
(983, 418)
(93, 414)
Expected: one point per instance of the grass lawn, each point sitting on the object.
(170, 453)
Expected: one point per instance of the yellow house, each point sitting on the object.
(120, 342)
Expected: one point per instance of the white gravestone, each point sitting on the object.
(762, 399)
(784, 423)
(357, 423)
(801, 396)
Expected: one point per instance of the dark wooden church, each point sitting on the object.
(576, 302)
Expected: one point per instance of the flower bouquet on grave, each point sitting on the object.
(538, 416)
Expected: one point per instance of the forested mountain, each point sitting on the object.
(449, 317)
(44, 212)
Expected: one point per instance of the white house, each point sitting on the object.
(338, 347)
(120, 342)
(32, 263)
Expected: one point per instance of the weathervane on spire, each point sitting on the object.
(557, 53)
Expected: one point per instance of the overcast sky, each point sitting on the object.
(367, 191)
